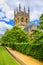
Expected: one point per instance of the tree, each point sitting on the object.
(41, 22)
(16, 34)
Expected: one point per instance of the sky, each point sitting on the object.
(7, 11)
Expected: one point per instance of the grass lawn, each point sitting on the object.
(6, 58)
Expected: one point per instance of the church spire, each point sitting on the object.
(28, 11)
(19, 7)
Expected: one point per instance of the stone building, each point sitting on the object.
(22, 19)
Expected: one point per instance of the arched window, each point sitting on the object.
(22, 19)
(26, 20)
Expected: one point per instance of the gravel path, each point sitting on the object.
(23, 59)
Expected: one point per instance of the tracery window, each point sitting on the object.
(26, 20)
(22, 19)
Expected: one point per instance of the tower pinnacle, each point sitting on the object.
(19, 7)
(24, 9)
(28, 10)
(14, 12)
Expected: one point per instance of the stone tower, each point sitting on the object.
(21, 18)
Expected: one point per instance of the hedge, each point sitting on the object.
(35, 51)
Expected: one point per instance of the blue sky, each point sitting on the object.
(7, 11)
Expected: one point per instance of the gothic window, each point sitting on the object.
(26, 20)
(22, 19)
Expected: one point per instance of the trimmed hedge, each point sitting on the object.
(35, 51)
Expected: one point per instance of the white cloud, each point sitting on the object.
(35, 15)
(1, 15)
(4, 27)
(36, 8)
(3, 24)
(8, 12)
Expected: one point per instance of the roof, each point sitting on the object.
(28, 27)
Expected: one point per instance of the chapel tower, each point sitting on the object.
(21, 18)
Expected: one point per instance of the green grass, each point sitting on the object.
(6, 58)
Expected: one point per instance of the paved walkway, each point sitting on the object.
(23, 59)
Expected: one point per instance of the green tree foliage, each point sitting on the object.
(41, 22)
(16, 34)
(0, 40)
(38, 37)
